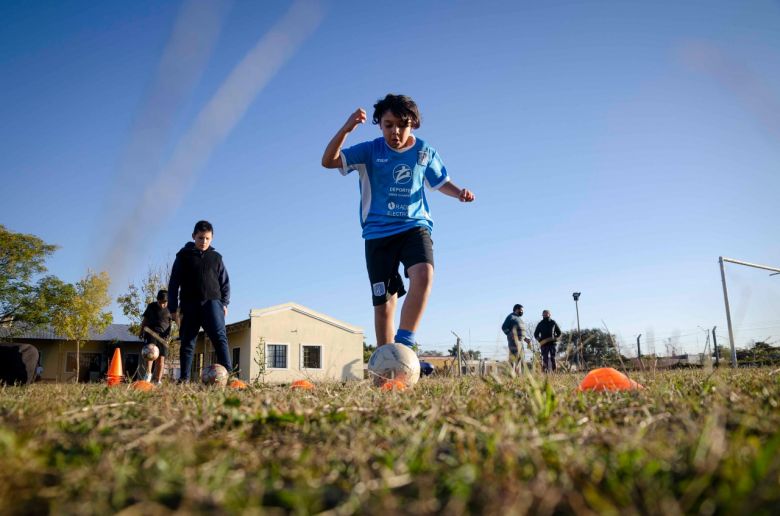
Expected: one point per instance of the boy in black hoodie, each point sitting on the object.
(198, 295)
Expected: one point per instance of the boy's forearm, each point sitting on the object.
(331, 158)
(449, 188)
(224, 285)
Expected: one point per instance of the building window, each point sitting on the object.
(236, 359)
(276, 356)
(312, 357)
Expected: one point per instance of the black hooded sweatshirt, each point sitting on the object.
(547, 330)
(200, 275)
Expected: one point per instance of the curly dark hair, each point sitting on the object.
(401, 106)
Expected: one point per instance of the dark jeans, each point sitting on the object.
(211, 316)
(548, 357)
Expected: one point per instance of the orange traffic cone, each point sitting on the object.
(115, 369)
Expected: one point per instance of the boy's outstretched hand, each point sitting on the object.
(466, 195)
(462, 194)
(355, 119)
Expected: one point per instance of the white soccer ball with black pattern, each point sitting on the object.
(215, 374)
(394, 362)
(150, 352)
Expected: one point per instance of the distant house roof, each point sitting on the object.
(113, 332)
(295, 307)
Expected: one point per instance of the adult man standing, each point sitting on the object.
(547, 333)
(516, 333)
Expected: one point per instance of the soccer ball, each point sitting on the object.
(150, 352)
(215, 374)
(394, 362)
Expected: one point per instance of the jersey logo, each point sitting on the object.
(422, 157)
(391, 205)
(402, 174)
(379, 289)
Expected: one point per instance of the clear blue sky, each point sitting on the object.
(615, 148)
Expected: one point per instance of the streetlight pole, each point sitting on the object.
(576, 296)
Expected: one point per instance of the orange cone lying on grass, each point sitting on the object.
(607, 379)
(394, 385)
(304, 385)
(142, 385)
(115, 369)
(237, 384)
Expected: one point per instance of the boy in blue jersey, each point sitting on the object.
(394, 210)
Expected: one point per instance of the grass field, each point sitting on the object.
(692, 442)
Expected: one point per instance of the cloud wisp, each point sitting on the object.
(164, 194)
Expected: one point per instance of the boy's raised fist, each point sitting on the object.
(355, 119)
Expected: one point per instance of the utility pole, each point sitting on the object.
(638, 349)
(580, 359)
(460, 358)
(715, 343)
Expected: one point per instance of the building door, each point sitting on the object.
(131, 363)
(89, 365)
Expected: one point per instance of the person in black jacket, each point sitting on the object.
(156, 318)
(514, 329)
(547, 333)
(198, 295)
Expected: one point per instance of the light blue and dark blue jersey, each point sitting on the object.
(391, 185)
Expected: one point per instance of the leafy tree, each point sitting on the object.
(259, 360)
(367, 351)
(27, 297)
(760, 352)
(82, 310)
(134, 301)
(469, 354)
(432, 353)
(723, 352)
(598, 346)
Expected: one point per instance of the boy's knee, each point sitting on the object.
(384, 310)
(421, 274)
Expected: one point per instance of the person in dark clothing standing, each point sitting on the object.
(198, 295)
(156, 318)
(547, 333)
(516, 333)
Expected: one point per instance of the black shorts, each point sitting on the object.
(148, 339)
(384, 255)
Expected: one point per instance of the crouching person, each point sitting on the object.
(155, 329)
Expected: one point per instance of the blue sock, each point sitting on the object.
(405, 337)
